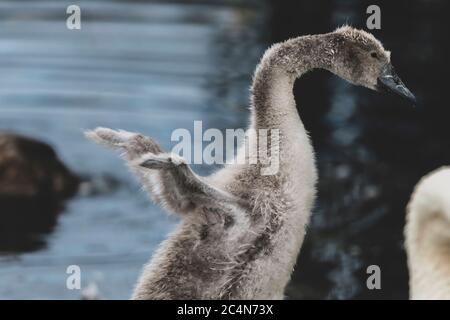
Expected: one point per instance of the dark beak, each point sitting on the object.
(389, 81)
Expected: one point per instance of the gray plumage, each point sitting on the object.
(240, 231)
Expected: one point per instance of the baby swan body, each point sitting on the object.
(241, 231)
(427, 235)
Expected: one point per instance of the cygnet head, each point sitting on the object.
(361, 59)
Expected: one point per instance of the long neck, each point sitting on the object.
(272, 90)
(428, 244)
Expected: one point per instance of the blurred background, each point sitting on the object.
(155, 66)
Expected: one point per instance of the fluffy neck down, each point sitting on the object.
(272, 99)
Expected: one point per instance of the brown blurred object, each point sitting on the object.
(33, 185)
(30, 168)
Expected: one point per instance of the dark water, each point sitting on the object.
(372, 149)
(154, 67)
(147, 67)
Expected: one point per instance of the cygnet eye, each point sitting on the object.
(373, 54)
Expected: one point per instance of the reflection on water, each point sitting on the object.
(159, 66)
(33, 187)
(147, 67)
(26, 222)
